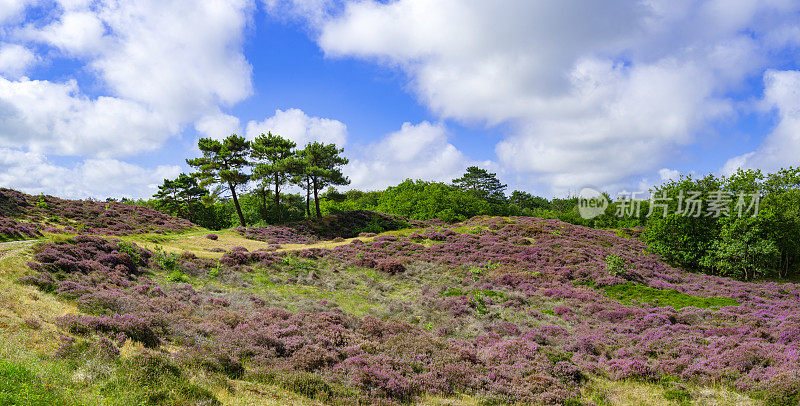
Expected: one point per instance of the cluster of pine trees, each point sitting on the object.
(270, 162)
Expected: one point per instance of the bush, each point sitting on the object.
(392, 267)
(213, 237)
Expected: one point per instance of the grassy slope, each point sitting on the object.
(29, 335)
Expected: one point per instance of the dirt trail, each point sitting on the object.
(10, 247)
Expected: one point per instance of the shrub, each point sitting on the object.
(615, 265)
(392, 267)
(168, 261)
(212, 237)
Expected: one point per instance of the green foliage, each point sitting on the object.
(380, 224)
(633, 293)
(322, 164)
(616, 265)
(422, 200)
(177, 276)
(478, 272)
(742, 246)
(477, 300)
(273, 165)
(168, 261)
(41, 202)
(482, 184)
(132, 251)
(743, 249)
(308, 384)
(214, 272)
(20, 386)
(181, 197)
(223, 163)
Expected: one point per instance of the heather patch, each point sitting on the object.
(393, 320)
(12, 230)
(86, 216)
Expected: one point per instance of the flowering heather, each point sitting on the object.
(475, 311)
(87, 216)
(12, 230)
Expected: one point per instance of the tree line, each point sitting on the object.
(256, 173)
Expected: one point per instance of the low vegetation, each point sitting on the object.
(490, 310)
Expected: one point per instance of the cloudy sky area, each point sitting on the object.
(107, 98)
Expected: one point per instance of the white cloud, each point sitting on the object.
(11, 9)
(164, 64)
(50, 117)
(666, 174)
(97, 178)
(182, 58)
(15, 60)
(781, 147)
(594, 93)
(313, 10)
(75, 32)
(418, 151)
(297, 126)
(218, 126)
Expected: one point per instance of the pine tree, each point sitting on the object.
(322, 166)
(272, 155)
(481, 183)
(222, 164)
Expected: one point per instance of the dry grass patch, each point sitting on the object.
(26, 314)
(197, 243)
(603, 392)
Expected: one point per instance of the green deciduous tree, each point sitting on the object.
(223, 163)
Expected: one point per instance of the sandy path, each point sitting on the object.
(11, 247)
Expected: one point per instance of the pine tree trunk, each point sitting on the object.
(316, 198)
(236, 203)
(263, 193)
(277, 199)
(308, 196)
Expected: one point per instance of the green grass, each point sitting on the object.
(20, 386)
(633, 293)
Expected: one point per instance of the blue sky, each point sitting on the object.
(106, 98)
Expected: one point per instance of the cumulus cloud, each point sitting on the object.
(162, 64)
(75, 32)
(781, 147)
(96, 178)
(594, 93)
(418, 151)
(11, 9)
(15, 60)
(217, 126)
(297, 126)
(55, 117)
(182, 58)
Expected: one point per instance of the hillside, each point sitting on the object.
(490, 310)
(347, 224)
(52, 214)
